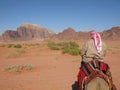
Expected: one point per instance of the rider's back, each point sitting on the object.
(89, 51)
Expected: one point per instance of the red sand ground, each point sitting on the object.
(52, 69)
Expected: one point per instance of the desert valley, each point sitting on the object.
(28, 63)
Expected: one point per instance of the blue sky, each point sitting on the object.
(58, 15)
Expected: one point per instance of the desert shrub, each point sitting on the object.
(28, 67)
(18, 68)
(14, 53)
(11, 54)
(17, 46)
(71, 51)
(66, 47)
(71, 48)
(53, 45)
(69, 45)
(10, 45)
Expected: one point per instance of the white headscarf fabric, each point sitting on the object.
(97, 39)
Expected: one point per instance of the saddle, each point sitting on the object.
(93, 69)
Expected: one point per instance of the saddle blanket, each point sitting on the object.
(88, 68)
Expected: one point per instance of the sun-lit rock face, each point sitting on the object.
(27, 32)
(111, 34)
(71, 34)
(34, 32)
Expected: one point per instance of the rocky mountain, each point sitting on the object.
(35, 32)
(67, 34)
(27, 32)
(71, 34)
(111, 34)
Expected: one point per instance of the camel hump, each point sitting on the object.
(97, 84)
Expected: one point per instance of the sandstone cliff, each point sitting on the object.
(27, 32)
(35, 32)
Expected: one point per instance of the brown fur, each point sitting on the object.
(98, 84)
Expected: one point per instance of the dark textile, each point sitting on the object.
(93, 69)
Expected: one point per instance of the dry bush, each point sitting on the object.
(18, 68)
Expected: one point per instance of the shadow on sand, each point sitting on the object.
(75, 86)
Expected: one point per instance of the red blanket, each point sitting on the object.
(91, 67)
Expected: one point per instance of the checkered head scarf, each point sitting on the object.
(97, 39)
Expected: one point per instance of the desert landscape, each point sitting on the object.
(41, 43)
(49, 69)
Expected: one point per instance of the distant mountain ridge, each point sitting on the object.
(111, 34)
(71, 34)
(27, 32)
(34, 32)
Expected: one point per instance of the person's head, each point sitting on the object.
(94, 34)
(97, 39)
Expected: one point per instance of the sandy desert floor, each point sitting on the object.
(52, 69)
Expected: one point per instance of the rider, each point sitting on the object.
(94, 48)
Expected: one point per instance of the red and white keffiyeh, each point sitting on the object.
(97, 39)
